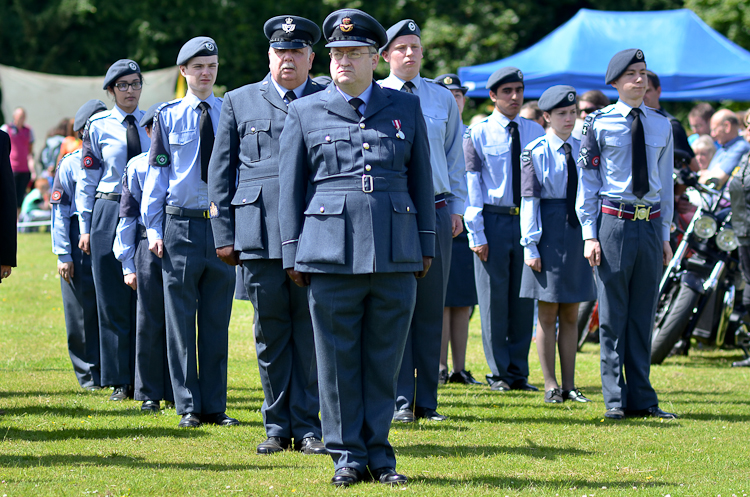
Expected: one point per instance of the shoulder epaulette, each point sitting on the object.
(99, 115)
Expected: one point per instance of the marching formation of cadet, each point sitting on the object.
(335, 206)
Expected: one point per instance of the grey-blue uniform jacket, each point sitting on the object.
(354, 196)
(243, 176)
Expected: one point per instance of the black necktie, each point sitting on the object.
(290, 96)
(408, 87)
(572, 189)
(355, 103)
(206, 127)
(639, 164)
(515, 157)
(134, 140)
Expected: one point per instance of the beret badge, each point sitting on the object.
(346, 25)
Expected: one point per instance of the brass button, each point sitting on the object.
(252, 129)
(367, 146)
(362, 125)
(244, 200)
(322, 209)
(368, 167)
(328, 138)
(408, 208)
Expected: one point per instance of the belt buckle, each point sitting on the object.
(642, 212)
(514, 211)
(368, 184)
(206, 215)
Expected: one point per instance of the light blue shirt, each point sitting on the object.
(612, 179)
(444, 129)
(282, 91)
(728, 156)
(550, 167)
(126, 236)
(176, 132)
(488, 165)
(105, 141)
(364, 96)
(67, 174)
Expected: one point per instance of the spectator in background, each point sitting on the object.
(531, 111)
(21, 158)
(36, 206)
(725, 130)
(589, 102)
(71, 142)
(7, 213)
(700, 119)
(704, 149)
(48, 158)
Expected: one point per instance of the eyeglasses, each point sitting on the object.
(137, 85)
(349, 55)
(587, 110)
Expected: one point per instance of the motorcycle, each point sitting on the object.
(698, 291)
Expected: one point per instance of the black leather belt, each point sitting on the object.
(364, 183)
(179, 211)
(496, 209)
(115, 197)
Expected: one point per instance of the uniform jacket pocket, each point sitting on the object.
(255, 139)
(405, 245)
(248, 218)
(323, 237)
(334, 146)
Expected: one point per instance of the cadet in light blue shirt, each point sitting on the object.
(74, 265)
(492, 149)
(625, 204)
(404, 54)
(175, 209)
(111, 139)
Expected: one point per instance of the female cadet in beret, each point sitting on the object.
(110, 140)
(556, 273)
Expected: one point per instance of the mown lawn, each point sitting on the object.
(56, 439)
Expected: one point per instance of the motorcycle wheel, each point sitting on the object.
(677, 317)
(585, 310)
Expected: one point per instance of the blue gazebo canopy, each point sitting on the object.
(693, 61)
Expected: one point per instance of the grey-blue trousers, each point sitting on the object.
(197, 284)
(116, 301)
(507, 319)
(285, 348)
(627, 284)
(152, 380)
(422, 350)
(360, 322)
(81, 321)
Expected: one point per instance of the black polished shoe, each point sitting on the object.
(219, 419)
(523, 385)
(272, 445)
(343, 477)
(614, 413)
(464, 377)
(575, 395)
(741, 364)
(150, 407)
(442, 377)
(310, 445)
(404, 415)
(651, 412)
(430, 414)
(189, 420)
(498, 385)
(121, 392)
(553, 396)
(388, 476)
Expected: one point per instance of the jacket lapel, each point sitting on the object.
(268, 90)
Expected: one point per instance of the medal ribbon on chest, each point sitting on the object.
(397, 125)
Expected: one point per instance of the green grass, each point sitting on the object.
(56, 439)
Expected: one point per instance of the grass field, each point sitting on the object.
(56, 439)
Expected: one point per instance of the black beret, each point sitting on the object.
(508, 74)
(148, 116)
(401, 28)
(200, 46)
(620, 63)
(353, 28)
(123, 67)
(291, 32)
(557, 96)
(86, 111)
(451, 82)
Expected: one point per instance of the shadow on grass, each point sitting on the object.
(59, 432)
(734, 418)
(587, 420)
(115, 459)
(531, 450)
(517, 483)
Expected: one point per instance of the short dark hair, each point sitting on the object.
(703, 110)
(533, 105)
(595, 97)
(653, 79)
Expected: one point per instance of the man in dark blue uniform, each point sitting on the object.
(243, 184)
(357, 220)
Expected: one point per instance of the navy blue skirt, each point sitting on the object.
(462, 292)
(566, 275)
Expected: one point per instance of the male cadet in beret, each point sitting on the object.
(175, 210)
(625, 204)
(403, 51)
(492, 148)
(142, 271)
(357, 225)
(74, 265)
(243, 188)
